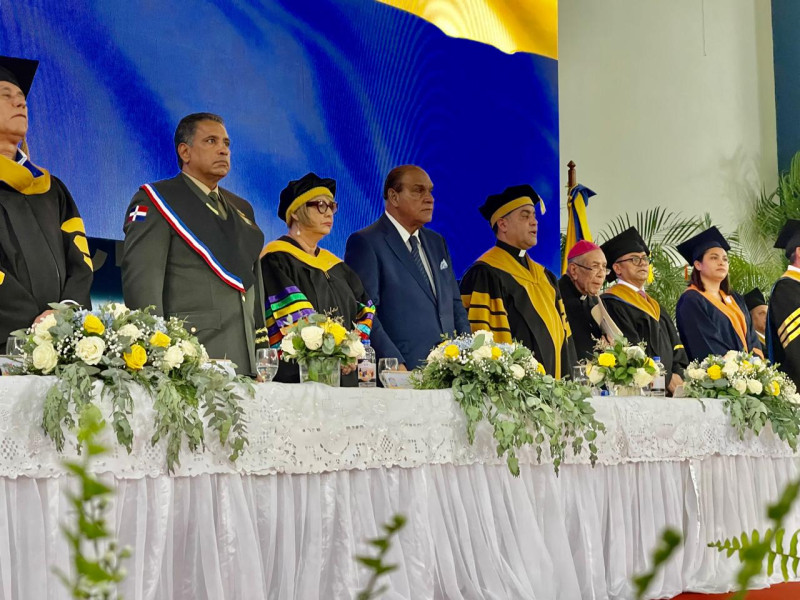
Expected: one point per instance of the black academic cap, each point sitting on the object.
(754, 298)
(694, 248)
(789, 237)
(499, 205)
(19, 71)
(621, 244)
(300, 191)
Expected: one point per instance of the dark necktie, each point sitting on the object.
(218, 205)
(643, 294)
(418, 260)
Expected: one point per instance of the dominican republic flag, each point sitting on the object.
(139, 213)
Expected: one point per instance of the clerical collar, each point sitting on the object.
(519, 255)
(630, 285)
(793, 268)
(203, 187)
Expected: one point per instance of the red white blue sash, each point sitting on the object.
(191, 239)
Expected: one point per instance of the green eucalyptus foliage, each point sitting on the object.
(376, 564)
(670, 540)
(96, 556)
(755, 548)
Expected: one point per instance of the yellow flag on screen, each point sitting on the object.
(509, 25)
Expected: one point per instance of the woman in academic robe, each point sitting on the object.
(712, 318)
(300, 278)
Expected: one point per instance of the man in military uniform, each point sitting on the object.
(192, 248)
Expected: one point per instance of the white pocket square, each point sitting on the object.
(443, 265)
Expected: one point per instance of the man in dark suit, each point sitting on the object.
(192, 248)
(407, 271)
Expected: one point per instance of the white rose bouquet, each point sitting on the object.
(506, 385)
(621, 364)
(754, 390)
(119, 347)
(321, 344)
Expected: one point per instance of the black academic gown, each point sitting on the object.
(518, 299)
(783, 325)
(44, 255)
(297, 284)
(704, 329)
(585, 330)
(643, 320)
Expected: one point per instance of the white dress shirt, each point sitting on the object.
(406, 237)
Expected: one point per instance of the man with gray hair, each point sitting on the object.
(192, 248)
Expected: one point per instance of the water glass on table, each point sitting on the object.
(579, 375)
(267, 363)
(386, 364)
(14, 346)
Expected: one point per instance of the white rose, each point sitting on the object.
(131, 331)
(488, 336)
(642, 378)
(695, 373)
(730, 369)
(117, 310)
(754, 386)
(203, 355)
(635, 352)
(740, 385)
(173, 357)
(42, 329)
(45, 357)
(482, 353)
(517, 371)
(595, 375)
(188, 349)
(90, 349)
(355, 349)
(287, 345)
(312, 336)
(730, 355)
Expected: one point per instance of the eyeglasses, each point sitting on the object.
(636, 260)
(597, 269)
(322, 206)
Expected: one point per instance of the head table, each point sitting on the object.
(326, 467)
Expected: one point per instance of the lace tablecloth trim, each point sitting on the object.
(311, 428)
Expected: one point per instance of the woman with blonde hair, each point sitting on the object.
(300, 278)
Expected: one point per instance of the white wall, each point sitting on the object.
(667, 102)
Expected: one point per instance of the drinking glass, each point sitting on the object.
(386, 364)
(267, 363)
(579, 374)
(14, 346)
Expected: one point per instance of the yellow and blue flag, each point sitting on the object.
(577, 223)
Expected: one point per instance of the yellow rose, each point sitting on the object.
(540, 369)
(159, 339)
(496, 353)
(92, 324)
(336, 330)
(746, 365)
(451, 351)
(606, 359)
(775, 388)
(651, 362)
(714, 372)
(136, 358)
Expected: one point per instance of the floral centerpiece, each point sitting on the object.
(321, 345)
(622, 367)
(120, 347)
(507, 386)
(754, 390)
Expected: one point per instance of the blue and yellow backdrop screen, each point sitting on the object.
(344, 88)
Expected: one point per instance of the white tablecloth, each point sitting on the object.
(326, 467)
